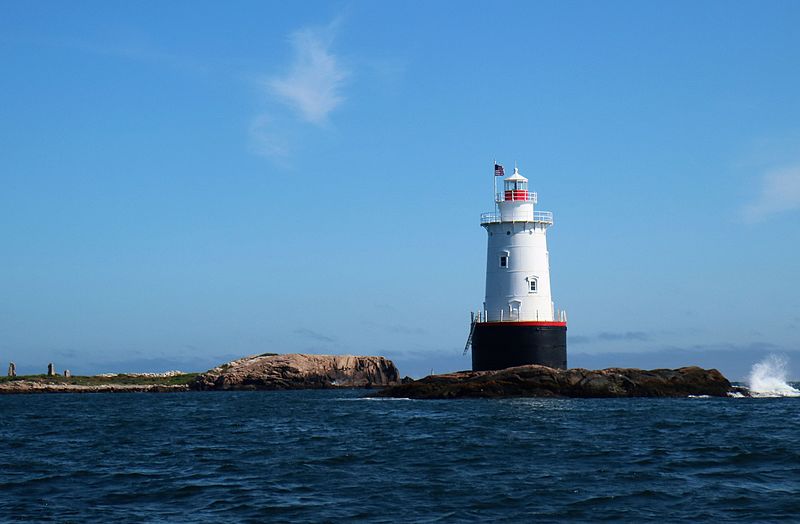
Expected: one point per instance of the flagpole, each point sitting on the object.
(494, 186)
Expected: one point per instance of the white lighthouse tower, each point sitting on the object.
(518, 323)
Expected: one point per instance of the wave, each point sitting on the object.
(768, 378)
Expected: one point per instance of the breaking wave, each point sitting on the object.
(768, 379)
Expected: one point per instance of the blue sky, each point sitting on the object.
(184, 183)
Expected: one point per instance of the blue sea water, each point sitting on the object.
(315, 456)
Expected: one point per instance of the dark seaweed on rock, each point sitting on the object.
(541, 381)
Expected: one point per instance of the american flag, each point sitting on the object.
(498, 170)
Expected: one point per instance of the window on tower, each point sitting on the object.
(532, 285)
(504, 261)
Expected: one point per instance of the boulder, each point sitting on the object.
(298, 371)
(542, 381)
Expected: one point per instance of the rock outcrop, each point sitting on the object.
(541, 381)
(298, 371)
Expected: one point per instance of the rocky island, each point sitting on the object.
(298, 371)
(110, 383)
(271, 371)
(268, 371)
(541, 381)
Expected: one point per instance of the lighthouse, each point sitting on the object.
(518, 323)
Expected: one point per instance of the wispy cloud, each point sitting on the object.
(147, 52)
(265, 140)
(780, 192)
(310, 89)
(625, 336)
(400, 329)
(67, 353)
(313, 335)
(313, 84)
(135, 47)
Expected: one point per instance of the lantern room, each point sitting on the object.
(516, 187)
(516, 202)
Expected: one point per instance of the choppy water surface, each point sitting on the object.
(328, 455)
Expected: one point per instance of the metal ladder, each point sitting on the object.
(472, 324)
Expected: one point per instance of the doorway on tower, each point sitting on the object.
(513, 309)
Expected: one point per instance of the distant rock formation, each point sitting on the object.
(541, 381)
(37, 386)
(298, 371)
(164, 374)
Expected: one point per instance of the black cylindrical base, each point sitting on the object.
(500, 345)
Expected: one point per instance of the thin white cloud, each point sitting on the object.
(265, 140)
(310, 333)
(780, 192)
(310, 89)
(136, 47)
(313, 85)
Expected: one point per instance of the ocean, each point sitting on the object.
(334, 455)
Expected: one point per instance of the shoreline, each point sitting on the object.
(546, 382)
(116, 383)
(522, 381)
(28, 387)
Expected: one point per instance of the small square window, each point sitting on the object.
(504, 261)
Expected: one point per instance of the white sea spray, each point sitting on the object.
(768, 378)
